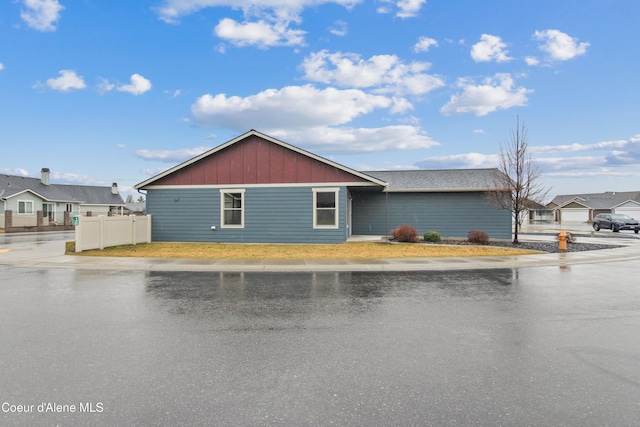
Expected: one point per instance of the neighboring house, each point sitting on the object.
(26, 198)
(255, 188)
(630, 207)
(584, 207)
(134, 208)
(537, 212)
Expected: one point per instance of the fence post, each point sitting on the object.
(132, 218)
(101, 232)
(79, 235)
(148, 228)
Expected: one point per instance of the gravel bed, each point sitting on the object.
(581, 244)
(553, 247)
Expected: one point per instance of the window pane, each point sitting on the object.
(326, 217)
(232, 217)
(25, 207)
(232, 200)
(326, 200)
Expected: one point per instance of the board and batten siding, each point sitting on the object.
(271, 215)
(450, 214)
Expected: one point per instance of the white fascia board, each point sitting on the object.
(625, 202)
(284, 185)
(442, 190)
(577, 200)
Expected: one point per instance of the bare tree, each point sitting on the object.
(516, 182)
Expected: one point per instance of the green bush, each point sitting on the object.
(432, 237)
(406, 233)
(478, 237)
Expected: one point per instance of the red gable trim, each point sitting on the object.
(255, 158)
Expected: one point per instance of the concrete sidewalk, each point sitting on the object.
(51, 255)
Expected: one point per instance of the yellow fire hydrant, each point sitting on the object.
(562, 241)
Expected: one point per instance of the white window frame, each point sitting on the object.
(222, 208)
(26, 212)
(336, 218)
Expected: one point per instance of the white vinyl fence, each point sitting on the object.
(99, 232)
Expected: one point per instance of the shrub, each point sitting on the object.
(432, 237)
(478, 237)
(405, 233)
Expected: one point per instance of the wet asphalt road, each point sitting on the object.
(513, 347)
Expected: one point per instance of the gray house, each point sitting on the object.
(584, 207)
(34, 202)
(255, 188)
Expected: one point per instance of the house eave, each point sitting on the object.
(441, 190)
(279, 185)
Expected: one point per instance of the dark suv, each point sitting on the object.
(616, 222)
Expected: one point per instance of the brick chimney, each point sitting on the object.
(45, 176)
(114, 188)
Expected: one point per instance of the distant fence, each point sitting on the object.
(99, 232)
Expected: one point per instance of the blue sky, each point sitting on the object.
(117, 91)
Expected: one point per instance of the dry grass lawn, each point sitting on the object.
(356, 250)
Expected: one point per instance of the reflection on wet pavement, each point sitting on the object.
(537, 346)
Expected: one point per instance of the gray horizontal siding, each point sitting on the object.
(274, 214)
(450, 214)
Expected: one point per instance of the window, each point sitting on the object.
(25, 207)
(325, 207)
(69, 207)
(232, 208)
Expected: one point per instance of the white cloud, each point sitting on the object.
(405, 8)
(599, 173)
(41, 15)
(496, 93)
(68, 80)
(261, 34)
(153, 171)
(1, 66)
(569, 163)
(339, 28)
(74, 178)
(409, 8)
(383, 73)
(172, 10)
(531, 60)
(173, 156)
(560, 46)
(291, 107)
(460, 161)
(105, 85)
(424, 44)
(138, 86)
(606, 145)
(14, 171)
(618, 152)
(617, 156)
(356, 140)
(490, 48)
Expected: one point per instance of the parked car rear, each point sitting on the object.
(616, 222)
